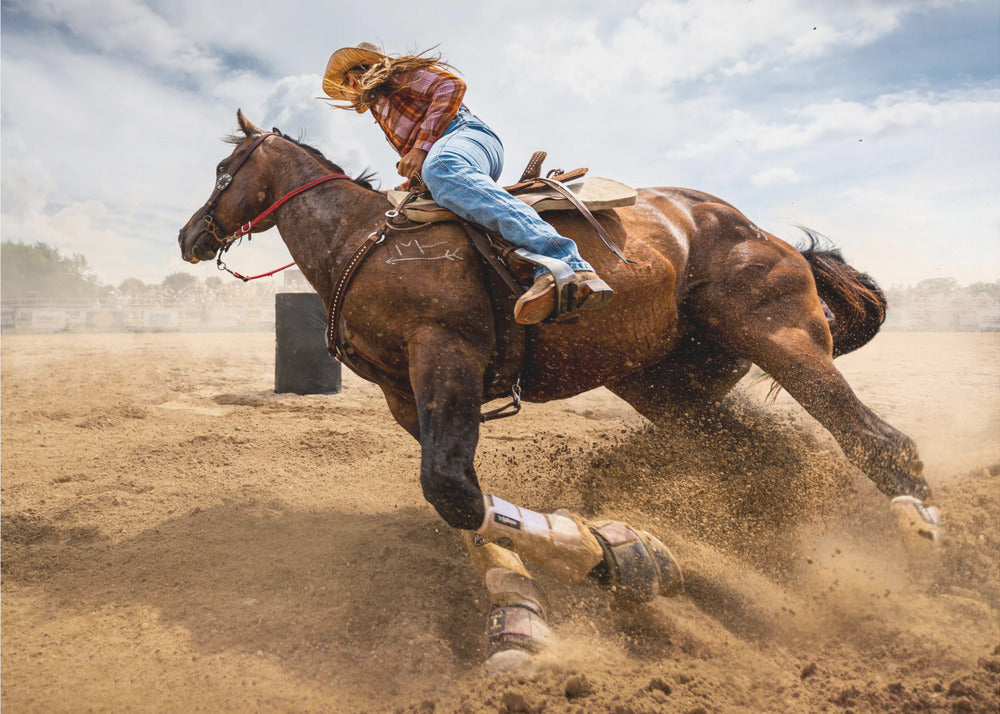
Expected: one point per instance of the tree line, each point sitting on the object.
(38, 270)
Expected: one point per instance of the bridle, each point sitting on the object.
(221, 184)
(224, 180)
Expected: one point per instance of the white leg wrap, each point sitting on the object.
(561, 544)
(509, 588)
(517, 617)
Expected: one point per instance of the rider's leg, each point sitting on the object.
(460, 170)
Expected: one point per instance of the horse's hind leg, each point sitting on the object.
(804, 368)
(763, 305)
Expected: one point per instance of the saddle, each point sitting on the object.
(558, 191)
(543, 194)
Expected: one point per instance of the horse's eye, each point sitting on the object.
(220, 169)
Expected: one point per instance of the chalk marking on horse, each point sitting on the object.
(449, 253)
(416, 243)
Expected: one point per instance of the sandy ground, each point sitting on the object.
(176, 537)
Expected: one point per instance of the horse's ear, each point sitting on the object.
(246, 125)
(276, 130)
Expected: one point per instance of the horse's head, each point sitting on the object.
(234, 200)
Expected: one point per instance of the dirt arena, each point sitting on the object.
(176, 538)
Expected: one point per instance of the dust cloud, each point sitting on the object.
(177, 537)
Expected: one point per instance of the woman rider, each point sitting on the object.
(417, 102)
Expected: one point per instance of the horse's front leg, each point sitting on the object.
(446, 374)
(632, 563)
(443, 414)
(515, 628)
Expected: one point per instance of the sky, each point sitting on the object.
(874, 122)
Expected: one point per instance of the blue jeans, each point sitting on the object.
(461, 170)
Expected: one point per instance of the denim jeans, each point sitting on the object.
(461, 170)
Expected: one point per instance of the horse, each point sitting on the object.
(705, 294)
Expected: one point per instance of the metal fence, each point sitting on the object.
(229, 306)
(69, 318)
(244, 308)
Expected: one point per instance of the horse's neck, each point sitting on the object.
(322, 227)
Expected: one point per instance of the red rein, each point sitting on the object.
(246, 228)
(248, 278)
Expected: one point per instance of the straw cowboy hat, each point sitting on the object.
(342, 60)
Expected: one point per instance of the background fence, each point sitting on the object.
(934, 305)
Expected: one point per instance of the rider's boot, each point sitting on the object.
(585, 291)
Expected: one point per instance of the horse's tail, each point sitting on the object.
(855, 299)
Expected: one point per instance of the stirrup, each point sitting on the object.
(592, 294)
(571, 293)
(564, 276)
(637, 566)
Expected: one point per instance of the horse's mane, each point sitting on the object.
(364, 179)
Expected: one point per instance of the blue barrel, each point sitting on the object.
(302, 364)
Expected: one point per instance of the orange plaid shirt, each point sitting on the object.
(417, 115)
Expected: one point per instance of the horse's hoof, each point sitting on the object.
(510, 662)
(637, 566)
(917, 521)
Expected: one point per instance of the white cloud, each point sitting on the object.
(666, 42)
(114, 175)
(775, 176)
(846, 120)
(900, 236)
(104, 236)
(125, 28)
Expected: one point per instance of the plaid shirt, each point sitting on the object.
(417, 115)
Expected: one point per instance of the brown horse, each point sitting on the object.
(707, 293)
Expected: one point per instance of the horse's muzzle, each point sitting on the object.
(196, 246)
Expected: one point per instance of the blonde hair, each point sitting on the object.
(382, 79)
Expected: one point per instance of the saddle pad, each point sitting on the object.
(595, 192)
